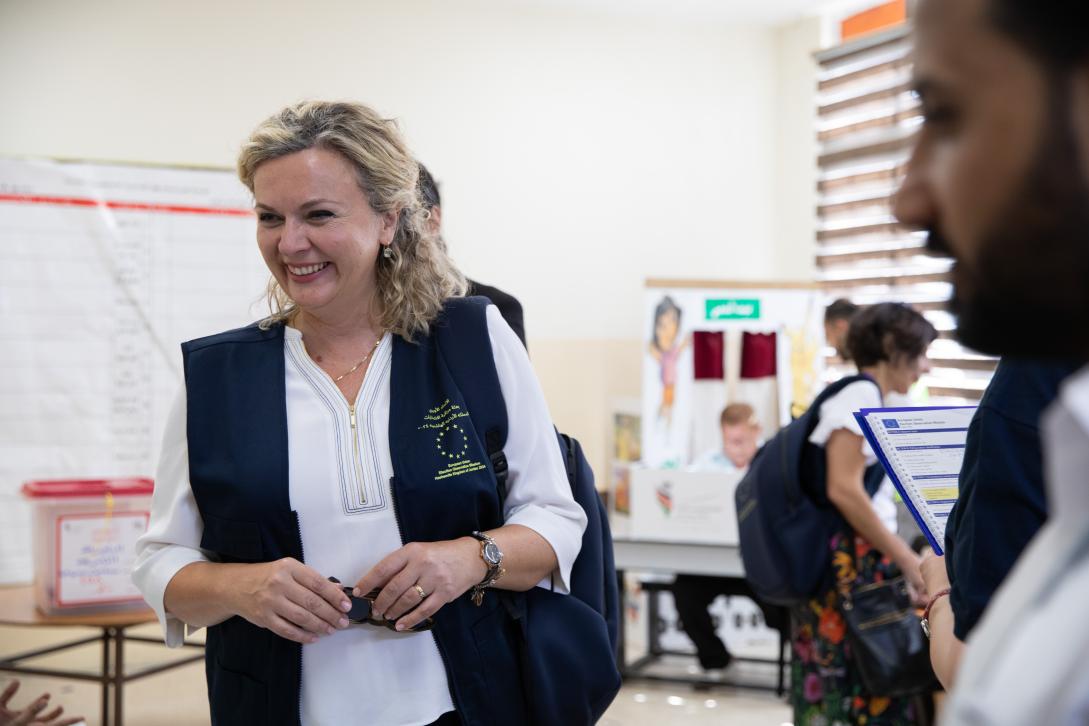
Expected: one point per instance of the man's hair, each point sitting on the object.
(887, 332)
(1053, 30)
(429, 189)
(736, 414)
(841, 309)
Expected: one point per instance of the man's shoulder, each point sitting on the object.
(508, 306)
(501, 299)
(1021, 389)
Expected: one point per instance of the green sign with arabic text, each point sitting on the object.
(733, 309)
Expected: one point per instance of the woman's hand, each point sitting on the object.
(934, 573)
(908, 562)
(29, 715)
(442, 570)
(290, 599)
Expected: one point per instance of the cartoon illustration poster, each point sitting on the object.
(679, 419)
(667, 386)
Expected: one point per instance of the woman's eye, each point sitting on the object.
(267, 218)
(320, 214)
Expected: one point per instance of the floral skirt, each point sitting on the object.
(826, 689)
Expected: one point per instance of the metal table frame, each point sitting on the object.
(113, 638)
(689, 559)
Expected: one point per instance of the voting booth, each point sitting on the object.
(710, 344)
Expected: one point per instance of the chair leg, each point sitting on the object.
(654, 646)
(784, 642)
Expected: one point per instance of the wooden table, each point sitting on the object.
(17, 608)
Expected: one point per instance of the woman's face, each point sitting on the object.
(905, 371)
(317, 231)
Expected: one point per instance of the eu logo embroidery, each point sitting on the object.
(451, 440)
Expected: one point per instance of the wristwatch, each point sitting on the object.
(493, 558)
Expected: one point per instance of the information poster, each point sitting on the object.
(95, 554)
(104, 270)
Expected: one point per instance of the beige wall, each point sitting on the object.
(578, 153)
(795, 176)
(583, 379)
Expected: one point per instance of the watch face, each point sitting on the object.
(492, 553)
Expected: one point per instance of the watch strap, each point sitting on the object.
(495, 570)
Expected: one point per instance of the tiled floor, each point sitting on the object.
(177, 698)
(671, 704)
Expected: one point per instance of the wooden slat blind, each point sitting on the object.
(867, 119)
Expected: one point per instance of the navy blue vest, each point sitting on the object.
(443, 488)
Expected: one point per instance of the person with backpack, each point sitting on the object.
(325, 504)
(888, 344)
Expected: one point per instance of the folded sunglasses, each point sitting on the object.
(362, 612)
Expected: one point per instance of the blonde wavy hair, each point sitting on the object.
(415, 281)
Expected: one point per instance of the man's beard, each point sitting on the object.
(1027, 293)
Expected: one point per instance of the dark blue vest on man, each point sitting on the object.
(238, 467)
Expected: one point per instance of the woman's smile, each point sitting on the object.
(306, 273)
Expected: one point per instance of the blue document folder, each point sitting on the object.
(922, 450)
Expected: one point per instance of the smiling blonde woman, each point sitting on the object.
(334, 428)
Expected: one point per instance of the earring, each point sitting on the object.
(387, 253)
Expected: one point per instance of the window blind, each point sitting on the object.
(867, 117)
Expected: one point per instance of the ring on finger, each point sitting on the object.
(420, 592)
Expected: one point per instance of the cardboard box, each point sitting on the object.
(670, 505)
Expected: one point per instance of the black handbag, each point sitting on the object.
(889, 648)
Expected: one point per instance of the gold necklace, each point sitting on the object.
(365, 359)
